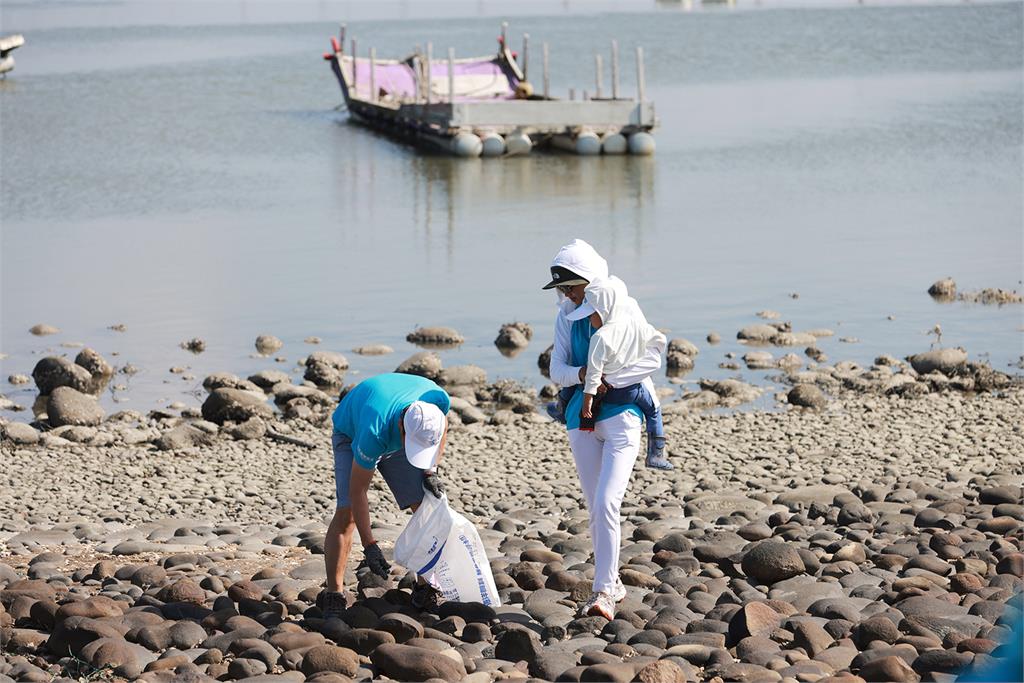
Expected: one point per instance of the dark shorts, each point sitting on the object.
(404, 480)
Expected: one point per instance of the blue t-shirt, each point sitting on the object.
(580, 336)
(370, 412)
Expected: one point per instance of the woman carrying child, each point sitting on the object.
(605, 455)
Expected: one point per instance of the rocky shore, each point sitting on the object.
(875, 537)
(867, 527)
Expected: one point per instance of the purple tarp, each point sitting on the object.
(474, 80)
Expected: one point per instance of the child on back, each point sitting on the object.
(620, 342)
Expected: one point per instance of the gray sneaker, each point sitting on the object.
(600, 604)
(333, 605)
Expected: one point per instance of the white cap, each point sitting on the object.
(424, 426)
(581, 312)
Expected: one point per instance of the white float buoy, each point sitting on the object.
(641, 144)
(491, 144)
(615, 143)
(517, 144)
(588, 144)
(466, 145)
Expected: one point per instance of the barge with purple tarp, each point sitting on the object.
(486, 106)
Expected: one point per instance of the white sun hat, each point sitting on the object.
(424, 426)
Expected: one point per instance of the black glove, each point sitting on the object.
(433, 484)
(376, 562)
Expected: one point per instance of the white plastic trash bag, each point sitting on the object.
(443, 547)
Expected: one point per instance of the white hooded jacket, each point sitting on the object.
(624, 337)
(582, 259)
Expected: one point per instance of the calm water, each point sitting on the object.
(184, 169)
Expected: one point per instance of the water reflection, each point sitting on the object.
(450, 190)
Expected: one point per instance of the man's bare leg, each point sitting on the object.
(337, 547)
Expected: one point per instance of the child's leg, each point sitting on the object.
(651, 411)
(638, 395)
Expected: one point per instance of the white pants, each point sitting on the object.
(604, 461)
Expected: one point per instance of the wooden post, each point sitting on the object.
(418, 76)
(640, 75)
(547, 79)
(526, 46)
(373, 74)
(451, 74)
(341, 36)
(355, 71)
(599, 69)
(615, 69)
(430, 71)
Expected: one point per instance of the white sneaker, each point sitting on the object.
(600, 604)
(619, 592)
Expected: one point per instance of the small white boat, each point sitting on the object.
(7, 45)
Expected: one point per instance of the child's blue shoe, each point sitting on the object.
(656, 459)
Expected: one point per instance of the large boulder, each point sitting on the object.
(235, 405)
(946, 361)
(514, 336)
(442, 336)
(284, 392)
(95, 364)
(330, 658)
(753, 619)
(122, 658)
(771, 561)
(267, 344)
(326, 368)
(425, 364)
(518, 645)
(183, 590)
(401, 626)
(183, 436)
(21, 434)
(66, 406)
(757, 333)
(944, 289)
(683, 346)
(42, 329)
(52, 372)
(760, 360)
(266, 379)
(373, 350)
(407, 663)
(226, 380)
(253, 428)
(462, 375)
(731, 391)
(807, 396)
(678, 363)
